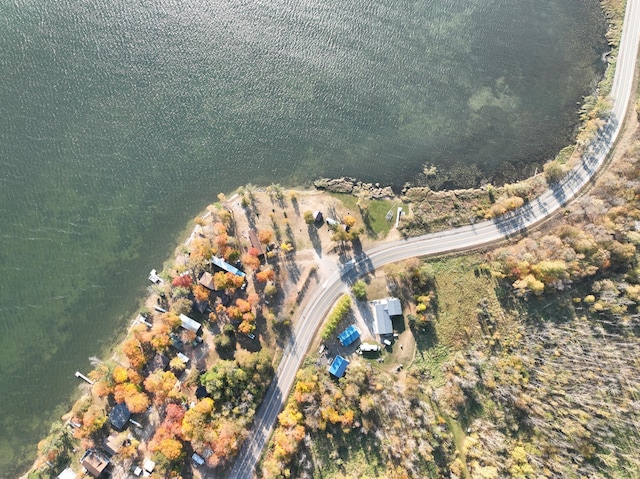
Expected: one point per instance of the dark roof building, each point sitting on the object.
(200, 306)
(201, 392)
(119, 416)
(94, 461)
(159, 361)
(338, 366)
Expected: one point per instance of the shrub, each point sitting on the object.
(337, 314)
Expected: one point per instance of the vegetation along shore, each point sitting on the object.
(521, 361)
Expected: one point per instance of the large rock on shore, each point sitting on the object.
(353, 187)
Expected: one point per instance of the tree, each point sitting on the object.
(160, 384)
(170, 448)
(132, 349)
(222, 280)
(270, 290)
(349, 220)
(265, 236)
(251, 261)
(266, 275)
(177, 364)
(181, 306)
(201, 293)
(184, 281)
(359, 289)
(308, 217)
(554, 171)
(197, 419)
(132, 396)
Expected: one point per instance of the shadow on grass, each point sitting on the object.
(312, 230)
(339, 453)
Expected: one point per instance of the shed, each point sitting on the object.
(338, 366)
(183, 358)
(119, 416)
(94, 462)
(190, 324)
(206, 280)
(349, 335)
(255, 241)
(148, 465)
(317, 216)
(154, 278)
(201, 392)
(112, 444)
(67, 474)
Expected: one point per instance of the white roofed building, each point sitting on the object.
(383, 310)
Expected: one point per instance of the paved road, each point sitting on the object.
(459, 239)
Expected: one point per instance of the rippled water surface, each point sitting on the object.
(121, 119)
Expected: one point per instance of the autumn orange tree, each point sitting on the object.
(161, 385)
(167, 438)
(265, 236)
(133, 396)
(201, 293)
(266, 275)
(182, 281)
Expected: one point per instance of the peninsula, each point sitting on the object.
(246, 292)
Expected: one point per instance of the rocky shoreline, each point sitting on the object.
(353, 186)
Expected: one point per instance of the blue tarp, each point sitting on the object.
(338, 366)
(349, 335)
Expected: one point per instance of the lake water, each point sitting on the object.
(121, 119)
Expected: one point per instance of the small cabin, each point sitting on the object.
(94, 462)
(338, 366)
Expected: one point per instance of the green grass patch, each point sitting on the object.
(345, 455)
(375, 222)
(429, 358)
(461, 284)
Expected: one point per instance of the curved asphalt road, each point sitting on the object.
(458, 239)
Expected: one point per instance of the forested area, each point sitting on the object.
(541, 379)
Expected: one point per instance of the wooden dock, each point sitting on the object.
(83, 377)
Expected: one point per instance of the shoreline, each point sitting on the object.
(375, 190)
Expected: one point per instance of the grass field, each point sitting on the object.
(376, 223)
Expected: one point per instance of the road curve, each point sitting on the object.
(459, 239)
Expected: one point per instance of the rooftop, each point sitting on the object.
(349, 335)
(119, 416)
(94, 462)
(383, 309)
(222, 264)
(338, 366)
(190, 324)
